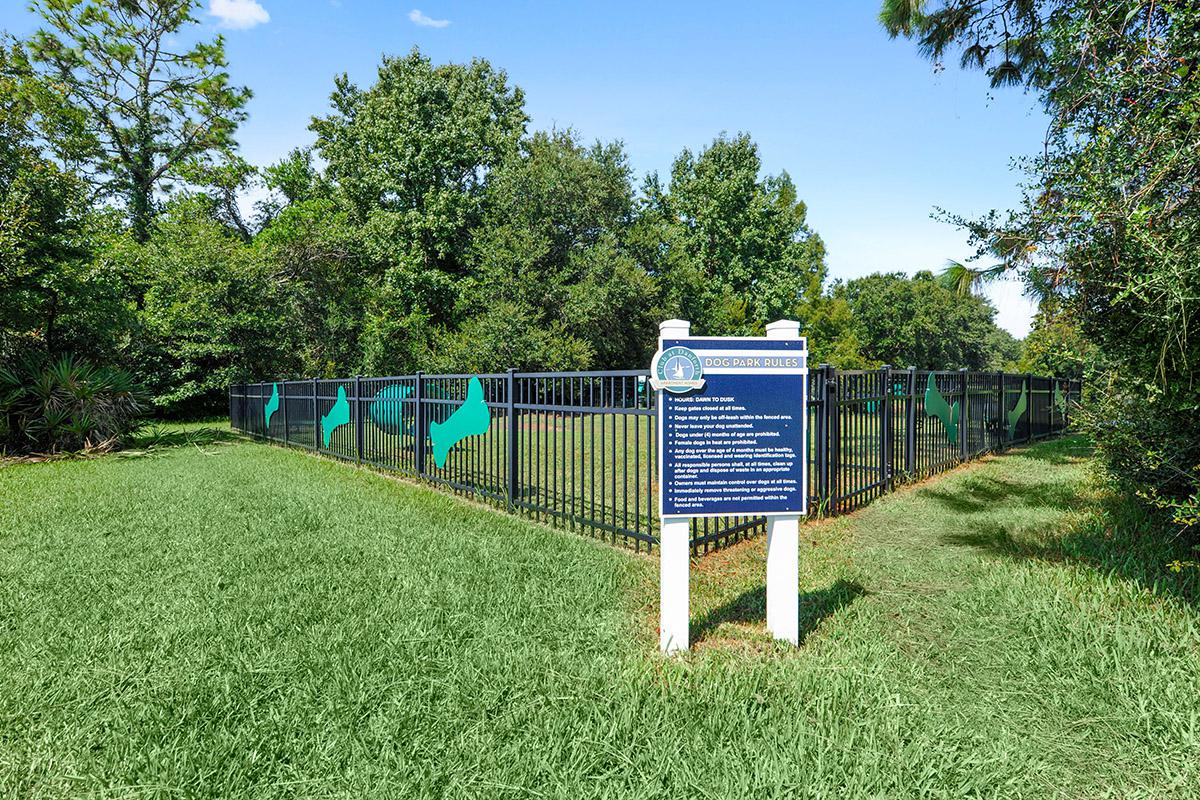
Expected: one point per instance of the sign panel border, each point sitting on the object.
(661, 402)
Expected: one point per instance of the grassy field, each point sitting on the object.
(237, 620)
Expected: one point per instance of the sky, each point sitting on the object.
(874, 136)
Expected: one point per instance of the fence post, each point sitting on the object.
(822, 435)
(1029, 407)
(283, 403)
(910, 423)
(1055, 390)
(885, 423)
(510, 438)
(316, 417)
(832, 395)
(358, 420)
(963, 438)
(1066, 407)
(1001, 413)
(1062, 412)
(419, 428)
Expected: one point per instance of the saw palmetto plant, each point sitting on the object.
(67, 405)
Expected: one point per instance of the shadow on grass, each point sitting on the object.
(751, 607)
(153, 440)
(1110, 534)
(979, 494)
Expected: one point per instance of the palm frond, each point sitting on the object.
(964, 280)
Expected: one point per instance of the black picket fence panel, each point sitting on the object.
(579, 449)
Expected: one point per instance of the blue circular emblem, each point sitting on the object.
(677, 370)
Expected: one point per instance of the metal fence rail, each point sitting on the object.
(578, 449)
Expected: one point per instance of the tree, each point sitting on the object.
(1004, 354)
(733, 251)
(219, 185)
(1109, 223)
(833, 338)
(412, 156)
(41, 218)
(1055, 345)
(549, 252)
(54, 297)
(144, 109)
(315, 258)
(918, 322)
(293, 179)
(212, 315)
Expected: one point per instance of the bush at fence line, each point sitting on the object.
(67, 405)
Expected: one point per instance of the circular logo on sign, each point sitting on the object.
(677, 370)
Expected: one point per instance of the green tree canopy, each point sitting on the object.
(212, 317)
(918, 322)
(316, 262)
(549, 256)
(1055, 345)
(144, 109)
(411, 156)
(732, 250)
(54, 298)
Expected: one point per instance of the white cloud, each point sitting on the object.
(426, 22)
(240, 14)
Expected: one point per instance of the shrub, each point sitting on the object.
(67, 405)
(1147, 447)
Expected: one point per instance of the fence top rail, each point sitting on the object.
(608, 373)
(430, 376)
(630, 373)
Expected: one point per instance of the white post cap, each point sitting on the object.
(674, 329)
(783, 329)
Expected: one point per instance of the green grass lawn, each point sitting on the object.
(238, 620)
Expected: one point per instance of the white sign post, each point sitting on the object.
(783, 539)
(674, 546)
(732, 441)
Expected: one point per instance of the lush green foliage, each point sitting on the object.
(210, 622)
(733, 250)
(41, 222)
(1056, 346)
(553, 283)
(1110, 223)
(425, 228)
(211, 313)
(919, 322)
(66, 405)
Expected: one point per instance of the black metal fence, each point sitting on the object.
(578, 449)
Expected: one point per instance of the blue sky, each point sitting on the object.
(873, 135)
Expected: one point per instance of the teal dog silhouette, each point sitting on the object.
(1018, 411)
(272, 405)
(472, 418)
(936, 406)
(338, 416)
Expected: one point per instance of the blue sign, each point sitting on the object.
(734, 444)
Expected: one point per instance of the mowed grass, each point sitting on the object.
(239, 620)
